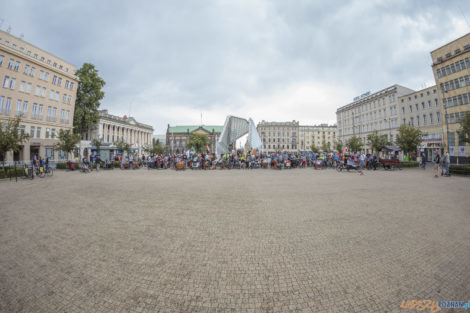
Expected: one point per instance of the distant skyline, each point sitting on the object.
(168, 62)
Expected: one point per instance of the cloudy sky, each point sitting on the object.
(166, 62)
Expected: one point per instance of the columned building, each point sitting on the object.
(111, 129)
(317, 135)
(279, 136)
(423, 110)
(41, 89)
(177, 137)
(369, 112)
(451, 68)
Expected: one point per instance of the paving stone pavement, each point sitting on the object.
(233, 241)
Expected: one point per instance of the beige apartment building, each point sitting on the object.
(451, 68)
(370, 112)
(423, 110)
(177, 137)
(317, 135)
(39, 87)
(279, 136)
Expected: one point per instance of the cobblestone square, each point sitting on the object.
(233, 241)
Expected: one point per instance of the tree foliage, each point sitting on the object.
(97, 142)
(67, 141)
(123, 146)
(464, 130)
(155, 148)
(11, 137)
(408, 138)
(377, 141)
(326, 147)
(354, 144)
(314, 148)
(198, 142)
(89, 94)
(339, 146)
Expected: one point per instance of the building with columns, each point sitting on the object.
(112, 128)
(177, 137)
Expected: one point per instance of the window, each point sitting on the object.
(59, 81)
(62, 113)
(424, 119)
(53, 133)
(25, 108)
(40, 112)
(1, 60)
(10, 64)
(34, 111)
(18, 108)
(438, 116)
(54, 80)
(38, 90)
(48, 114)
(62, 155)
(64, 98)
(71, 84)
(423, 105)
(50, 153)
(47, 133)
(438, 73)
(17, 66)
(28, 87)
(56, 96)
(416, 106)
(412, 121)
(46, 77)
(7, 106)
(411, 108)
(38, 132)
(12, 83)
(51, 94)
(6, 81)
(67, 117)
(31, 73)
(431, 118)
(32, 131)
(2, 100)
(54, 114)
(66, 84)
(69, 99)
(465, 98)
(43, 92)
(41, 74)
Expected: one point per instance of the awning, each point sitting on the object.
(391, 148)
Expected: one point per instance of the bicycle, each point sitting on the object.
(40, 172)
(28, 172)
(49, 171)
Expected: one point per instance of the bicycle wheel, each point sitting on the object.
(49, 171)
(40, 172)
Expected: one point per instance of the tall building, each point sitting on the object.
(112, 128)
(370, 112)
(423, 110)
(317, 135)
(177, 137)
(39, 87)
(279, 136)
(451, 68)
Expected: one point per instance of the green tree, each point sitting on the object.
(11, 137)
(67, 141)
(464, 130)
(377, 141)
(339, 146)
(97, 144)
(325, 147)
(198, 142)
(314, 148)
(354, 144)
(155, 148)
(89, 94)
(408, 138)
(123, 146)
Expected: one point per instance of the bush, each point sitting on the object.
(61, 166)
(409, 164)
(8, 171)
(461, 169)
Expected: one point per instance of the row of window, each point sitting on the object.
(452, 136)
(35, 55)
(456, 100)
(375, 104)
(457, 117)
(416, 96)
(455, 83)
(30, 70)
(453, 68)
(424, 121)
(423, 106)
(280, 140)
(36, 110)
(288, 147)
(9, 82)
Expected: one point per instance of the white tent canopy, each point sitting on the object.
(234, 128)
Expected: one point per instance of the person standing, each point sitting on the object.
(363, 157)
(447, 163)
(423, 160)
(437, 161)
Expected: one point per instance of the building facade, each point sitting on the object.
(112, 128)
(317, 135)
(40, 88)
(177, 137)
(451, 68)
(370, 112)
(422, 109)
(279, 136)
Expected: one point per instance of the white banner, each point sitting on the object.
(462, 150)
(452, 151)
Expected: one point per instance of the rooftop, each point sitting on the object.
(191, 128)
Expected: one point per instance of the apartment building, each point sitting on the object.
(317, 135)
(279, 136)
(40, 88)
(370, 112)
(451, 68)
(422, 109)
(177, 137)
